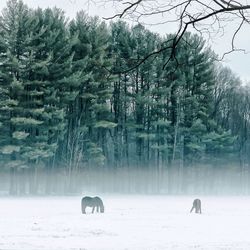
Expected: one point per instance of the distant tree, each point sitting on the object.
(120, 50)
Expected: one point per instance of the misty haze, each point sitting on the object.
(113, 136)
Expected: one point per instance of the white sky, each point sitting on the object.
(237, 61)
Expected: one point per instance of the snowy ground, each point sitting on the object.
(129, 222)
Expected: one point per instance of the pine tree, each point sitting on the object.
(42, 83)
(14, 24)
(90, 113)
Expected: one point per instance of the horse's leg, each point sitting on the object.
(191, 209)
(83, 209)
(93, 209)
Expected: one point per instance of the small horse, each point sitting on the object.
(196, 206)
(94, 202)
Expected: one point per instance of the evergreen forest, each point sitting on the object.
(78, 114)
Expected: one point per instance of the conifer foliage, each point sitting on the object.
(71, 99)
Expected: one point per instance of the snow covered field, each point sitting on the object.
(129, 222)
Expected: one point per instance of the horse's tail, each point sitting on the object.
(101, 207)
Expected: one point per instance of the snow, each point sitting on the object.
(129, 222)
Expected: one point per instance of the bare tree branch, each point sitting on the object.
(204, 16)
(131, 5)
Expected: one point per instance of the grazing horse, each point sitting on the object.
(94, 202)
(196, 206)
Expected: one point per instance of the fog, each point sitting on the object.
(207, 180)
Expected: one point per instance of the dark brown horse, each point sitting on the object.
(196, 206)
(94, 202)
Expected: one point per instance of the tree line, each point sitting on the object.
(71, 100)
